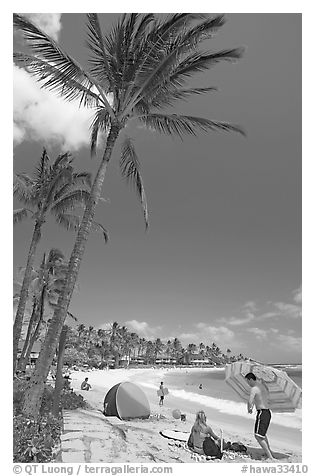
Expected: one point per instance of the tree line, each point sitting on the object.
(118, 346)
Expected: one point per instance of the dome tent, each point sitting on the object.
(126, 400)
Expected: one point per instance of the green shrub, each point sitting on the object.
(69, 400)
(34, 441)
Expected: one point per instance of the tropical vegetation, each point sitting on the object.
(117, 346)
(55, 189)
(138, 71)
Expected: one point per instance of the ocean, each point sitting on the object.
(215, 393)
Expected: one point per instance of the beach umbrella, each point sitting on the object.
(284, 394)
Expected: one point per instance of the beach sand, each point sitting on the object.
(143, 442)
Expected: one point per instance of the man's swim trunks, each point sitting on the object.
(263, 418)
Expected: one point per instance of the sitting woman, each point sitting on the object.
(199, 432)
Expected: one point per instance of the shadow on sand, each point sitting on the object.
(257, 453)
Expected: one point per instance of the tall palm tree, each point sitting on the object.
(57, 189)
(135, 71)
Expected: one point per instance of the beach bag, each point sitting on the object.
(236, 446)
(210, 448)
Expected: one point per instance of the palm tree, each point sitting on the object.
(202, 349)
(158, 347)
(56, 189)
(48, 285)
(135, 71)
(191, 348)
(176, 349)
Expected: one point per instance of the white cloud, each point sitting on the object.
(297, 295)
(143, 329)
(41, 115)
(48, 22)
(237, 321)
(217, 334)
(259, 333)
(250, 306)
(288, 310)
(191, 337)
(289, 342)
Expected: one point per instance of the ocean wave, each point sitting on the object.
(291, 420)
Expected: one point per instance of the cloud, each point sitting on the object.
(192, 337)
(50, 23)
(237, 321)
(250, 306)
(289, 342)
(217, 334)
(248, 310)
(288, 310)
(41, 115)
(143, 329)
(259, 333)
(297, 295)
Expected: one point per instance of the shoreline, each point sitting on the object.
(285, 440)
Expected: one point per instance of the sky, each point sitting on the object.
(221, 261)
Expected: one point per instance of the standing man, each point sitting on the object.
(259, 397)
(161, 402)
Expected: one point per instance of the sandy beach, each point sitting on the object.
(143, 440)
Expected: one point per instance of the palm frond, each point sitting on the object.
(24, 189)
(100, 69)
(71, 201)
(42, 169)
(181, 125)
(54, 79)
(85, 178)
(204, 30)
(198, 62)
(99, 227)
(72, 316)
(68, 221)
(20, 214)
(67, 72)
(176, 77)
(168, 95)
(62, 177)
(62, 161)
(100, 123)
(165, 46)
(78, 179)
(129, 166)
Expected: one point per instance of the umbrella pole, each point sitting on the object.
(221, 446)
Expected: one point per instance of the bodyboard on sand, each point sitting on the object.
(175, 435)
(162, 392)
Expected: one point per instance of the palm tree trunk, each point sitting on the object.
(22, 360)
(33, 397)
(59, 378)
(17, 328)
(35, 335)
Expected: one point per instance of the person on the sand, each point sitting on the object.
(162, 394)
(200, 431)
(85, 385)
(259, 397)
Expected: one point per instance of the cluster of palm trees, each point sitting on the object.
(137, 72)
(117, 346)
